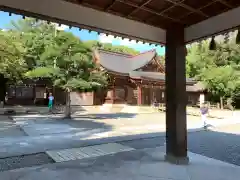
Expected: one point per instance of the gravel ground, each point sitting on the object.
(221, 143)
(24, 161)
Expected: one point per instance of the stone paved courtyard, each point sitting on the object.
(28, 137)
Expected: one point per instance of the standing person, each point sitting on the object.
(204, 112)
(50, 102)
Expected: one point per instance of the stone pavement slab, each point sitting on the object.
(133, 165)
(87, 152)
(44, 129)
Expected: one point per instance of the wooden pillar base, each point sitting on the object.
(176, 160)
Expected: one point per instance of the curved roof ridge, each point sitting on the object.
(121, 63)
(115, 53)
(145, 52)
(142, 59)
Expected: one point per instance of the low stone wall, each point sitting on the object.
(82, 98)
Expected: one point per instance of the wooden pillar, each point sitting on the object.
(139, 99)
(176, 97)
(113, 95)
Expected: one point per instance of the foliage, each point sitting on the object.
(222, 81)
(57, 55)
(42, 72)
(68, 62)
(219, 70)
(35, 37)
(12, 64)
(110, 47)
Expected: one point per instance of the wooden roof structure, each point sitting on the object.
(124, 63)
(131, 65)
(162, 13)
(143, 20)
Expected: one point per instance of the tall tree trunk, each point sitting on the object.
(68, 105)
(221, 102)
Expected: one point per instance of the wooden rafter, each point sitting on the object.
(172, 11)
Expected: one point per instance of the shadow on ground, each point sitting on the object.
(23, 110)
(9, 129)
(107, 116)
(37, 126)
(217, 144)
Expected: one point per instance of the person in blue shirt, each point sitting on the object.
(50, 101)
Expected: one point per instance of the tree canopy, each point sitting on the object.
(218, 69)
(68, 62)
(58, 55)
(12, 64)
(110, 47)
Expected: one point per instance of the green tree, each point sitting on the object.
(59, 56)
(219, 70)
(198, 59)
(12, 65)
(69, 63)
(35, 37)
(110, 47)
(221, 81)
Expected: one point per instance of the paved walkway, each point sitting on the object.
(145, 164)
(42, 133)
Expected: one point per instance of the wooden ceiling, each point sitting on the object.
(162, 13)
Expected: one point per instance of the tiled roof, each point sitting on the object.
(123, 63)
(130, 65)
(198, 87)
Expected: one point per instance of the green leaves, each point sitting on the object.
(77, 83)
(110, 47)
(42, 72)
(58, 55)
(11, 56)
(218, 70)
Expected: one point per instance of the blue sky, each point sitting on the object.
(86, 35)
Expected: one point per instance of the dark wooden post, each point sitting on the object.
(113, 91)
(176, 97)
(139, 90)
(113, 94)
